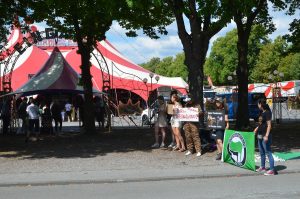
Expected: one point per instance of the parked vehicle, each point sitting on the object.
(232, 102)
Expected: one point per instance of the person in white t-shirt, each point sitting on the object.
(68, 108)
(33, 118)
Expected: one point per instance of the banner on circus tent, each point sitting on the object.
(238, 149)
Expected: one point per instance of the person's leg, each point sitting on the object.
(173, 137)
(37, 128)
(5, 121)
(163, 135)
(267, 149)
(196, 138)
(174, 129)
(30, 129)
(156, 131)
(181, 141)
(60, 123)
(219, 145)
(188, 137)
(262, 153)
(55, 124)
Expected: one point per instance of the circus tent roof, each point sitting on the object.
(55, 76)
(124, 74)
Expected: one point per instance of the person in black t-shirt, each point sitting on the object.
(264, 138)
(220, 105)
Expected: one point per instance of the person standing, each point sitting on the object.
(68, 108)
(176, 125)
(33, 119)
(56, 109)
(264, 137)
(191, 129)
(99, 111)
(23, 114)
(6, 114)
(219, 133)
(161, 123)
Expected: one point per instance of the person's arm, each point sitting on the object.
(269, 126)
(255, 130)
(226, 122)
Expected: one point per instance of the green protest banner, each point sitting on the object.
(238, 149)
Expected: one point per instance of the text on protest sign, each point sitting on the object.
(187, 114)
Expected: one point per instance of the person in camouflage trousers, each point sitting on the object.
(191, 130)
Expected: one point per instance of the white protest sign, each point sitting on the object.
(187, 114)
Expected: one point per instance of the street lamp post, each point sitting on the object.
(145, 80)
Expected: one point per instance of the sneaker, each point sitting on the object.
(155, 145)
(261, 169)
(188, 153)
(162, 145)
(198, 154)
(171, 145)
(219, 155)
(269, 173)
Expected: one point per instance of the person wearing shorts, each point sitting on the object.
(176, 125)
(219, 133)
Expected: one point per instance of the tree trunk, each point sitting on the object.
(242, 77)
(88, 109)
(195, 54)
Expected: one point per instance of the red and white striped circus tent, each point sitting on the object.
(124, 74)
(288, 88)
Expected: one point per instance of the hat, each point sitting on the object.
(219, 99)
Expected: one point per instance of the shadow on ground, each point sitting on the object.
(72, 145)
(286, 137)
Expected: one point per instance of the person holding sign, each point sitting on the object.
(264, 137)
(176, 124)
(161, 123)
(191, 130)
(219, 131)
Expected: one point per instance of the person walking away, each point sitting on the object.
(47, 120)
(68, 108)
(191, 129)
(33, 119)
(55, 109)
(176, 125)
(23, 114)
(220, 105)
(6, 114)
(161, 123)
(264, 137)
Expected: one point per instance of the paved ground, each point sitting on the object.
(123, 155)
(281, 186)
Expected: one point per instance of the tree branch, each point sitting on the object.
(176, 6)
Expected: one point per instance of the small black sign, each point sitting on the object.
(216, 119)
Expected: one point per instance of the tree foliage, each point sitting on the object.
(269, 60)
(223, 59)
(168, 66)
(290, 67)
(9, 12)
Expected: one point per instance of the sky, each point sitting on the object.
(141, 49)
